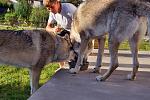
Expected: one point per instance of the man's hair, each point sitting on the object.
(48, 2)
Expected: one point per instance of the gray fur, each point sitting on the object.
(33, 49)
(121, 19)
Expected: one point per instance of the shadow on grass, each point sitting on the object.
(10, 92)
(15, 84)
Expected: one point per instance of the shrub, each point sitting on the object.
(3, 3)
(1, 17)
(23, 9)
(11, 18)
(39, 17)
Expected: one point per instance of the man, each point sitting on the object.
(60, 16)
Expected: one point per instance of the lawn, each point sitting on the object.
(15, 84)
(143, 46)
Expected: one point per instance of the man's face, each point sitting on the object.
(54, 7)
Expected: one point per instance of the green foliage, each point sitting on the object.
(3, 3)
(23, 9)
(11, 18)
(39, 17)
(1, 16)
(23, 15)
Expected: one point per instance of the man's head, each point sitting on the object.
(52, 5)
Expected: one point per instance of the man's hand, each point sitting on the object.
(58, 29)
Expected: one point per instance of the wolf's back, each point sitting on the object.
(140, 7)
(15, 39)
(24, 47)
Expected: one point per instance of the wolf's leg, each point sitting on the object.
(89, 49)
(34, 78)
(82, 51)
(134, 50)
(101, 44)
(87, 53)
(134, 41)
(113, 49)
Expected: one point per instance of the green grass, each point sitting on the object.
(15, 84)
(143, 46)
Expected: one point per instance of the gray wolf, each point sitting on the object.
(121, 19)
(33, 49)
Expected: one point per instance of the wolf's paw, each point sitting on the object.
(73, 71)
(130, 77)
(96, 70)
(99, 78)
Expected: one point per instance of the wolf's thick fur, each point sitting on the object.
(33, 49)
(122, 19)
